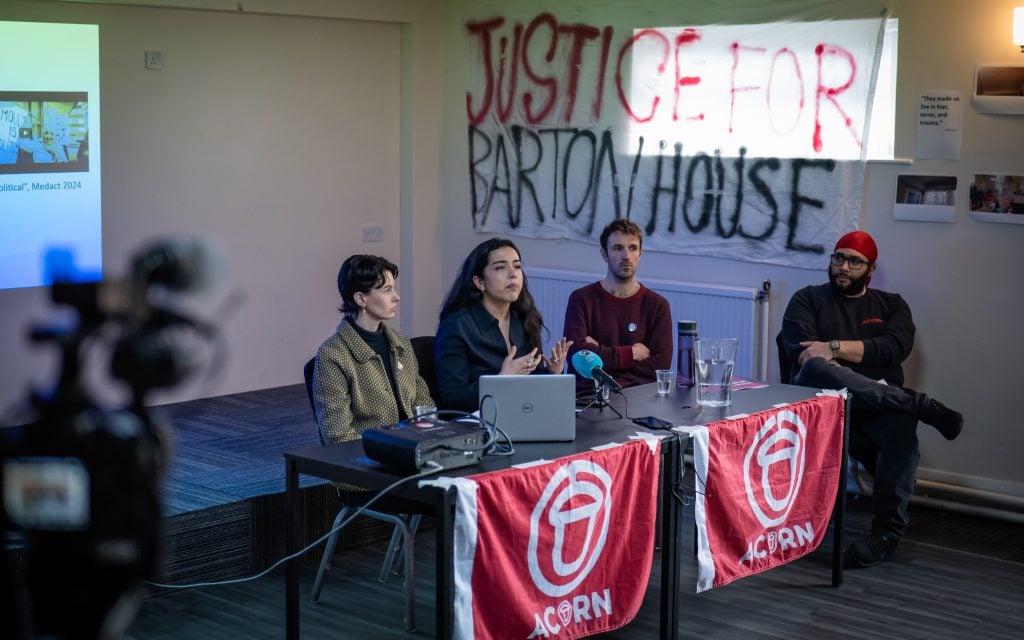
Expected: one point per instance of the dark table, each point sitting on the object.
(346, 462)
(680, 407)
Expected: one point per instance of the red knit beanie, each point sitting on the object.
(861, 242)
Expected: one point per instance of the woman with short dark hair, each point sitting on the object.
(366, 374)
(489, 324)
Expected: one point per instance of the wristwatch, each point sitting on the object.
(834, 346)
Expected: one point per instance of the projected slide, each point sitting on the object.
(50, 218)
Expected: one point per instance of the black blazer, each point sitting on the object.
(469, 344)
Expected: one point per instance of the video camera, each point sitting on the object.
(82, 485)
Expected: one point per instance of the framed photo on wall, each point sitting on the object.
(925, 198)
(997, 198)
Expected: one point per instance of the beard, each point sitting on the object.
(855, 287)
(622, 273)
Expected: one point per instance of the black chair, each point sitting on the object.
(404, 533)
(785, 374)
(307, 373)
(423, 347)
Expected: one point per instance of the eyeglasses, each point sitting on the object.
(855, 263)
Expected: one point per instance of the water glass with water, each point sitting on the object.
(716, 359)
(664, 377)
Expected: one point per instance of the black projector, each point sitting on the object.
(409, 446)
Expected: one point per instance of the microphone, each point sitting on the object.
(588, 364)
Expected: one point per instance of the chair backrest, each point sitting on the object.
(785, 375)
(307, 374)
(423, 347)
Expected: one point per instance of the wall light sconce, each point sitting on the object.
(1018, 27)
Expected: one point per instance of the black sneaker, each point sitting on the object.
(871, 550)
(948, 422)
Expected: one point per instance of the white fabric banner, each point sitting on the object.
(739, 141)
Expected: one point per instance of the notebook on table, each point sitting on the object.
(539, 408)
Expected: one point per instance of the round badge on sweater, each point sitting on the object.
(631, 326)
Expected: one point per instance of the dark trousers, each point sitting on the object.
(883, 437)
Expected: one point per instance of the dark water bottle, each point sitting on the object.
(686, 330)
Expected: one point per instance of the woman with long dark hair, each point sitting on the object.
(489, 325)
(366, 374)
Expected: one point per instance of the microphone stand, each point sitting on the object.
(601, 393)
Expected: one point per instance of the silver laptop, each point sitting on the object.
(539, 408)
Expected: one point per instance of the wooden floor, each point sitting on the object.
(952, 576)
(928, 589)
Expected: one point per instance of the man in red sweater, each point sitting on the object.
(625, 323)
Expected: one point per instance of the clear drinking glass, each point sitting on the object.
(664, 377)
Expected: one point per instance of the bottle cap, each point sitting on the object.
(686, 326)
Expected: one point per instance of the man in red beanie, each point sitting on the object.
(844, 335)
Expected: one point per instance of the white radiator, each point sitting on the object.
(720, 311)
